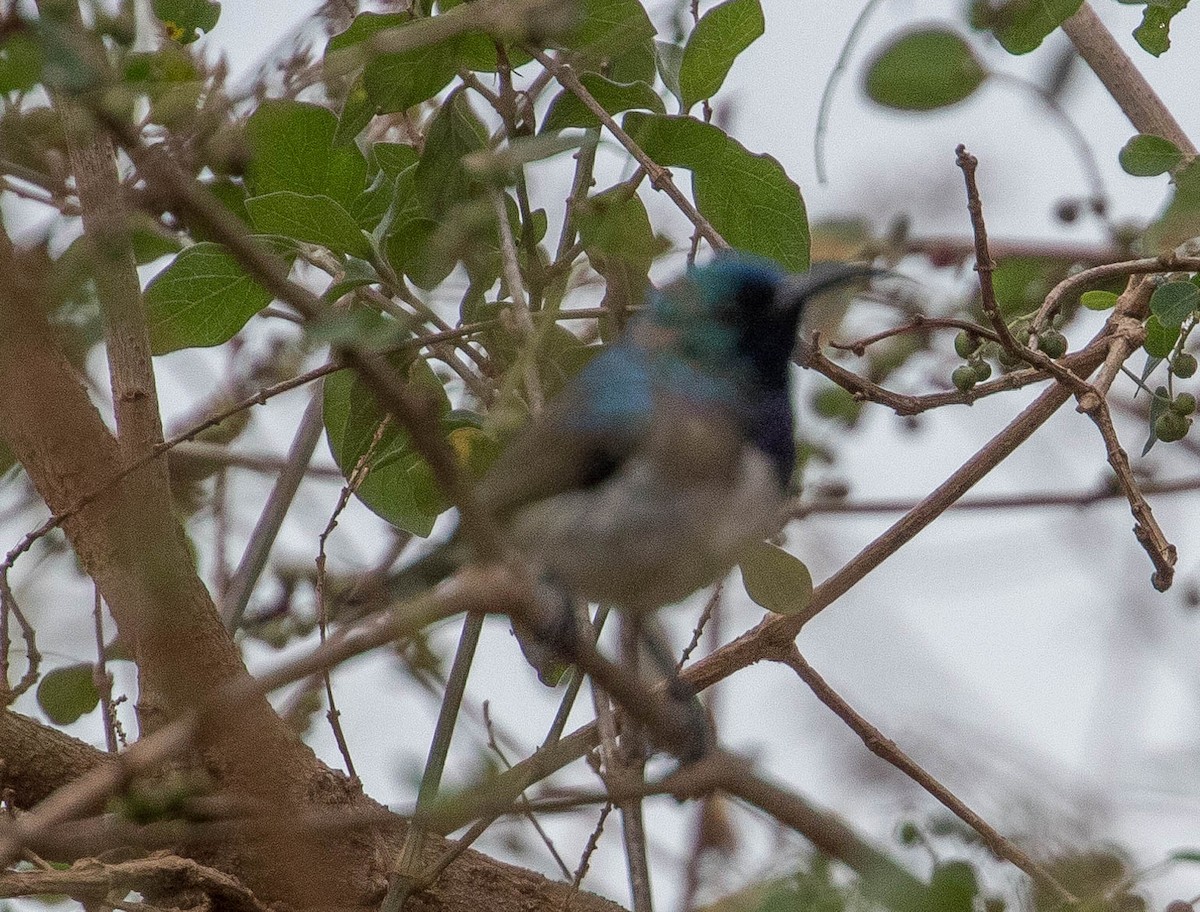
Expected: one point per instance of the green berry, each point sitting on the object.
(1184, 404)
(982, 369)
(964, 377)
(1053, 343)
(1171, 426)
(1183, 365)
(966, 344)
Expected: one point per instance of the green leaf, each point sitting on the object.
(566, 110)
(923, 71)
(1146, 155)
(357, 274)
(721, 34)
(748, 198)
(1154, 33)
(20, 63)
(618, 35)
(1021, 25)
(776, 580)
(1180, 220)
(1099, 300)
(1174, 302)
(357, 111)
(184, 20)
(1192, 855)
(394, 158)
(668, 57)
(396, 82)
(292, 149)
(202, 298)
(952, 888)
(621, 245)
(65, 694)
(1160, 339)
(399, 486)
(440, 180)
(1158, 404)
(312, 219)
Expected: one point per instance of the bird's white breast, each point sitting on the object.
(669, 521)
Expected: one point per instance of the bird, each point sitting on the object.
(668, 453)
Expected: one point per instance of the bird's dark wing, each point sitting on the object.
(601, 418)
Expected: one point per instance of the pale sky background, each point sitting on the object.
(1021, 657)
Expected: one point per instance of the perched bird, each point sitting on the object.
(670, 451)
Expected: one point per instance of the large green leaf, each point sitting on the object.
(20, 63)
(747, 197)
(1021, 25)
(924, 70)
(202, 298)
(566, 110)
(616, 35)
(312, 219)
(721, 34)
(396, 82)
(399, 486)
(292, 149)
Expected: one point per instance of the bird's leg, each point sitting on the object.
(681, 693)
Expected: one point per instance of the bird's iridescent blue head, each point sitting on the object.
(741, 313)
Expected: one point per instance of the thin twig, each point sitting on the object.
(660, 177)
(884, 747)
(101, 677)
(258, 549)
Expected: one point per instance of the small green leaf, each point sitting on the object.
(357, 274)
(721, 34)
(184, 20)
(1146, 155)
(669, 57)
(952, 888)
(65, 694)
(748, 198)
(1160, 339)
(312, 219)
(357, 111)
(1021, 25)
(1192, 855)
(776, 580)
(292, 148)
(1099, 300)
(566, 110)
(1174, 302)
(202, 298)
(923, 71)
(1154, 33)
(1180, 221)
